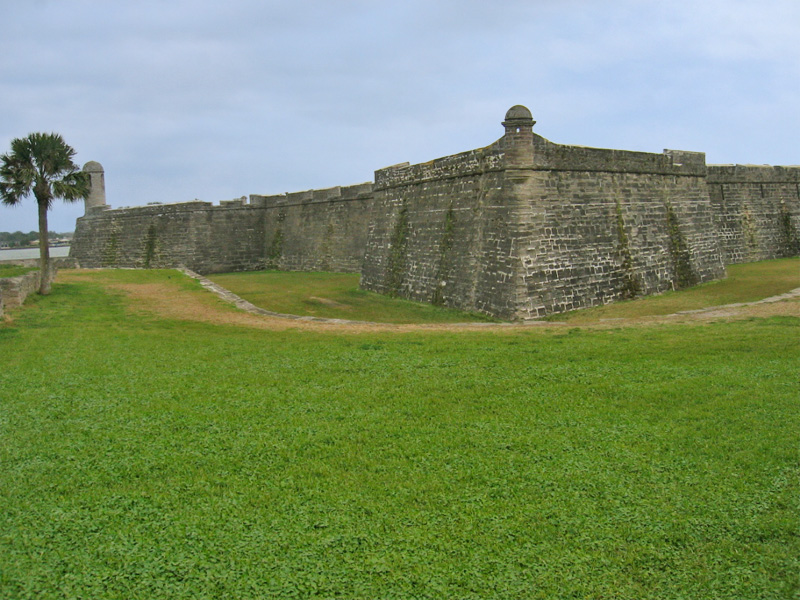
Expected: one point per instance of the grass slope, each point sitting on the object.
(333, 295)
(147, 458)
(14, 270)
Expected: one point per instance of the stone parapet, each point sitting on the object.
(464, 164)
(546, 155)
(361, 191)
(753, 174)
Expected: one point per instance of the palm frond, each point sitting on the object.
(17, 177)
(41, 164)
(72, 187)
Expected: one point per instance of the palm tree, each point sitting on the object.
(41, 164)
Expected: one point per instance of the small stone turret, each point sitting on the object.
(518, 120)
(97, 193)
(518, 139)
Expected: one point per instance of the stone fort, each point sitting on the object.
(519, 229)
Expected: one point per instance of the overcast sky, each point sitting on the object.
(214, 100)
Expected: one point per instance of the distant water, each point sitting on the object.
(18, 253)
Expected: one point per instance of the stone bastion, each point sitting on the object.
(519, 229)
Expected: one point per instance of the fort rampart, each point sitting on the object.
(315, 230)
(519, 229)
(757, 210)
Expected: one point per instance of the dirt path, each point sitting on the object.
(220, 307)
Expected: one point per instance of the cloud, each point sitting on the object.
(213, 100)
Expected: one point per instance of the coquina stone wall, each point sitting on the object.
(519, 229)
(315, 230)
(757, 210)
(14, 290)
(198, 235)
(525, 227)
(446, 233)
(598, 226)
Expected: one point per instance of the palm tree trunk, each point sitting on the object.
(44, 250)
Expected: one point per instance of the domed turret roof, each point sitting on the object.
(518, 119)
(93, 167)
(519, 113)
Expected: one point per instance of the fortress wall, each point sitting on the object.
(197, 235)
(144, 236)
(519, 229)
(594, 237)
(317, 230)
(444, 236)
(322, 230)
(522, 232)
(227, 238)
(757, 211)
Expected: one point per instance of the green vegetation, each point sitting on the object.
(745, 283)
(790, 240)
(630, 284)
(18, 239)
(150, 245)
(110, 250)
(398, 250)
(685, 275)
(14, 270)
(40, 165)
(275, 249)
(332, 295)
(151, 458)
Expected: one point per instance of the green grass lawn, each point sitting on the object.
(744, 283)
(14, 270)
(151, 458)
(333, 295)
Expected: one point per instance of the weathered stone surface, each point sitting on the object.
(14, 290)
(757, 211)
(444, 234)
(315, 230)
(526, 228)
(97, 182)
(519, 229)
